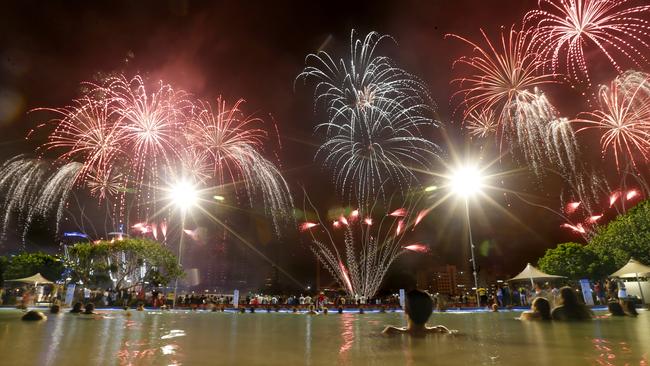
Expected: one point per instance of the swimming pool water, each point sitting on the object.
(207, 338)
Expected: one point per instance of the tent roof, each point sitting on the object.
(530, 272)
(631, 269)
(37, 278)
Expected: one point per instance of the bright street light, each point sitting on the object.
(183, 194)
(466, 181)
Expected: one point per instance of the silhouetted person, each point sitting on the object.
(90, 308)
(569, 308)
(54, 309)
(629, 308)
(33, 315)
(615, 309)
(76, 308)
(540, 309)
(418, 309)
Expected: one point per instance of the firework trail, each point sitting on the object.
(481, 124)
(380, 145)
(360, 257)
(33, 189)
(150, 124)
(500, 96)
(565, 30)
(623, 118)
(234, 142)
(87, 132)
(363, 81)
(375, 113)
(120, 140)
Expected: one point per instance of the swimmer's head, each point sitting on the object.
(418, 306)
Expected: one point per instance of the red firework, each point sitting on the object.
(500, 76)
(623, 118)
(567, 29)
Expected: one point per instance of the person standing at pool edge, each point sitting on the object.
(418, 309)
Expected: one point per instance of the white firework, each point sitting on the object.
(375, 113)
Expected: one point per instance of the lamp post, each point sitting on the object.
(465, 182)
(183, 195)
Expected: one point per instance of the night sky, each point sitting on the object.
(255, 51)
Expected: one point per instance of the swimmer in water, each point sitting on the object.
(418, 309)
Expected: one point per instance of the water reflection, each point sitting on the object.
(174, 333)
(347, 333)
(350, 339)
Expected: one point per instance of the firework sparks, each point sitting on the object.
(125, 137)
(500, 96)
(565, 30)
(360, 254)
(233, 142)
(481, 124)
(307, 225)
(33, 189)
(631, 194)
(499, 76)
(375, 114)
(623, 117)
(417, 247)
(571, 207)
(364, 81)
(578, 228)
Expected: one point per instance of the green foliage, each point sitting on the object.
(27, 264)
(4, 262)
(625, 237)
(573, 260)
(122, 260)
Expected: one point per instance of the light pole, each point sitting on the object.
(465, 182)
(183, 195)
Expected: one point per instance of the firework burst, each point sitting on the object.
(119, 140)
(375, 115)
(86, 132)
(33, 189)
(233, 142)
(565, 30)
(623, 118)
(377, 146)
(363, 81)
(501, 97)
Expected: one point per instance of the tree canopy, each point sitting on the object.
(625, 237)
(572, 260)
(126, 263)
(27, 264)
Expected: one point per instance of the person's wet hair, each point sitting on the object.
(568, 297)
(54, 309)
(570, 307)
(543, 307)
(90, 308)
(34, 315)
(419, 306)
(76, 308)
